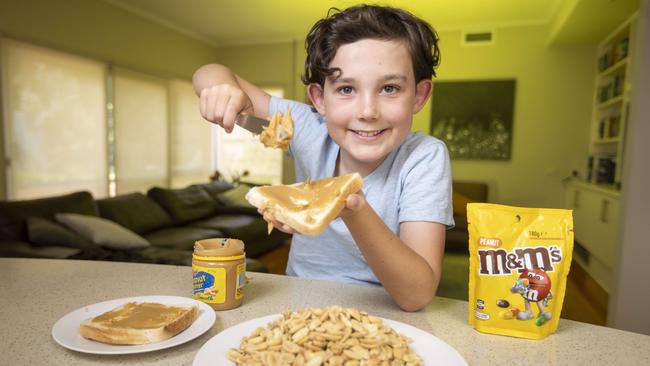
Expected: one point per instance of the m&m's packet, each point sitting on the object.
(519, 262)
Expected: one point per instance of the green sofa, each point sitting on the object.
(168, 220)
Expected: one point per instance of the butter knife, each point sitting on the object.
(252, 123)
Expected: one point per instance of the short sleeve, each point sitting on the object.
(426, 185)
(305, 121)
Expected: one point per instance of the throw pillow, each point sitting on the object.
(134, 211)
(184, 204)
(235, 197)
(103, 232)
(43, 232)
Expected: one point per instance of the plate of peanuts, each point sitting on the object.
(325, 336)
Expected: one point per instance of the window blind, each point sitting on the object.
(141, 131)
(55, 122)
(191, 137)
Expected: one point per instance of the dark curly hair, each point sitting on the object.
(369, 22)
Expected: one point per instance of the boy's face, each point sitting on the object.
(369, 106)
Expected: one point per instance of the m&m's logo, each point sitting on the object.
(499, 262)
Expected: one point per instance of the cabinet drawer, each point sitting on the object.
(596, 224)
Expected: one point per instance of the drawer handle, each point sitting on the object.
(604, 210)
(576, 198)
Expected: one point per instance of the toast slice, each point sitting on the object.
(139, 323)
(307, 207)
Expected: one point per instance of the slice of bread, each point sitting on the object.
(139, 323)
(307, 207)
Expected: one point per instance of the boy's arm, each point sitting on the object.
(223, 95)
(408, 266)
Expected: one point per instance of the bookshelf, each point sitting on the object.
(595, 200)
(611, 104)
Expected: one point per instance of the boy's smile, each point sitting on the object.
(369, 104)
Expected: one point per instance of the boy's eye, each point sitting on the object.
(344, 90)
(390, 89)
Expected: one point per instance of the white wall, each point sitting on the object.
(553, 99)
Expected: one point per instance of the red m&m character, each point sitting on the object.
(539, 284)
(533, 285)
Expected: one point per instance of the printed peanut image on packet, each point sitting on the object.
(519, 262)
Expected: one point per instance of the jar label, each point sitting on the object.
(241, 280)
(209, 284)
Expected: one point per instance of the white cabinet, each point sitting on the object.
(596, 228)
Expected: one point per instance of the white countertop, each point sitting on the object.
(35, 293)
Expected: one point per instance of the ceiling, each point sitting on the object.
(234, 22)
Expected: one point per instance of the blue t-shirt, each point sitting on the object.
(412, 184)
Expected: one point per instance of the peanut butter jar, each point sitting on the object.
(219, 271)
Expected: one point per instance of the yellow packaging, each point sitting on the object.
(519, 262)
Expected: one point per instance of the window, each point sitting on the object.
(191, 137)
(54, 122)
(141, 131)
(241, 151)
(74, 124)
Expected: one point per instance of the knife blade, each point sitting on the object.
(251, 123)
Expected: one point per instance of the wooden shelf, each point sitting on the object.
(611, 70)
(609, 117)
(606, 141)
(610, 102)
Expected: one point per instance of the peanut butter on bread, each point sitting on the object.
(307, 207)
(138, 323)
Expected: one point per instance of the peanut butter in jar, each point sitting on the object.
(219, 271)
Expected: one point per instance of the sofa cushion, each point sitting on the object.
(21, 249)
(103, 232)
(241, 225)
(252, 230)
(253, 265)
(237, 210)
(185, 204)
(134, 211)
(43, 232)
(235, 197)
(159, 255)
(14, 214)
(215, 188)
(182, 237)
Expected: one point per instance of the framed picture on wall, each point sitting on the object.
(474, 118)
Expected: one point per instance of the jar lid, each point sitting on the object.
(218, 247)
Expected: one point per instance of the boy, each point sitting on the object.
(368, 70)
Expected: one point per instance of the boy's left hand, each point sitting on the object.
(353, 204)
(276, 224)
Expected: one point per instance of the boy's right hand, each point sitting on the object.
(221, 103)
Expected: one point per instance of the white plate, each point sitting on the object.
(431, 349)
(66, 330)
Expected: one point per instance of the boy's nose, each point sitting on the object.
(368, 110)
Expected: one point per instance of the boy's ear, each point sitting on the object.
(422, 93)
(315, 93)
